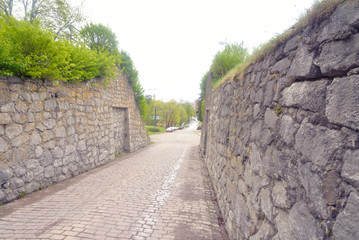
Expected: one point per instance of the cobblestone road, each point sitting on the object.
(160, 192)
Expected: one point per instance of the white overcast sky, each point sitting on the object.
(172, 42)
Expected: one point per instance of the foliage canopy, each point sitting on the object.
(130, 71)
(232, 55)
(169, 113)
(28, 50)
(100, 38)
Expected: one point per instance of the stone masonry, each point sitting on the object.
(282, 143)
(51, 133)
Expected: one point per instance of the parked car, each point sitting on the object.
(170, 129)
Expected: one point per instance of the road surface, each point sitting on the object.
(160, 192)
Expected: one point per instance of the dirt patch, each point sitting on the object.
(189, 194)
(182, 231)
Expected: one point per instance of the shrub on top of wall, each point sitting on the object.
(233, 55)
(28, 50)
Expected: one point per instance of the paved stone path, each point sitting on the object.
(160, 192)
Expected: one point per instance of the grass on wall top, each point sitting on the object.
(320, 11)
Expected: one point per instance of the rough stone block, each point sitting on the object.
(29, 127)
(3, 145)
(292, 44)
(341, 23)
(266, 204)
(270, 118)
(31, 164)
(302, 66)
(339, 56)
(46, 159)
(5, 118)
(36, 106)
(69, 149)
(32, 187)
(306, 95)
(30, 117)
(331, 187)
(4, 176)
(20, 140)
(280, 196)
(303, 224)
(81, 146)
(49, 172)
(265, 231)
(38, 170)
(350, 170)
(274, 162)
(47, 135)
(2, 196)
(35, 138)
(346, 225)
(281, 66)
(283, 226)
(19, 118)
(255, 159)
(16, 183)
(319, 144)
(314, 190)
(241, 212)
(269, 93)
(60, 132)
(8, 108)
(50, 105)
(29, 177)
(288, 128)
(70, 121)
(57, 152)
(343, 101)
(13, 130)
(49, 123)
(21, 107)
(16, 87)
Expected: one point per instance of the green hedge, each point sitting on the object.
(28, 50)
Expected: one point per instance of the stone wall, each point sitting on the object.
(282, 144)
(51, 133)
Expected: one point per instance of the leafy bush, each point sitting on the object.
(155, 130)
(100, 38)
(28, 50)
(130, 71)
(201, 99)
(223, 62)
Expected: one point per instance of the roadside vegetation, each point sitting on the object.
(151, 130)
(49, 39)
(319, 11)
(168, 114)
(233, 55)
(131, 72)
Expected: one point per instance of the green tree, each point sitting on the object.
(56, 15)
(131, 72)
(64, 20)
(202, 96)
(36, 9)
(183, 116)
(189, 109)
(6, 6)
(223, 62)
(166, 113)
(28, 50)
(11, 60)
(100, 38)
